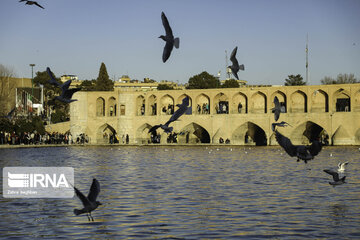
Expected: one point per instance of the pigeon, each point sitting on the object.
(89, 202)
(341, 166)
(31, 3)
(280, 124)
(304, 153)
(183, 107)
(277, 109)
(168, 38)
(235, 67)
(335, 175)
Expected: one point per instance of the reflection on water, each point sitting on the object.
(190, 193)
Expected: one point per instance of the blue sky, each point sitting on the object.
(74, 37)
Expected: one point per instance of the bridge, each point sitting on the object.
(241, 115)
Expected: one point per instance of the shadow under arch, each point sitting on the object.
(104, 133)
(249, 133)
(142, 134)
(193, 133)
(307, 132)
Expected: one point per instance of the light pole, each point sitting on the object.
(32, 65)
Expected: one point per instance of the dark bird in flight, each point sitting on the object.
(52, 80)
(31, 3)
(277, 109)
(67, 92)
(335, 175)
(304, 153)
(183, 107)
(89, 202)
(235, 67)
(168, 38)
(280, 124)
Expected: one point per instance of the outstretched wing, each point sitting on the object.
(52, 78)
(334, 174)
(94, 190)
(167, 51)
(315, 148)
(153, 129)
(286, 144)
(166, 25)
(277, 108)
(68, 93)
(82, 197)
(233, 57)
(38, 5)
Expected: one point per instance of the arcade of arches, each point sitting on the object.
(240, 116)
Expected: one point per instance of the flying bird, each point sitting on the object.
(31, 3)
(335, 175)
(280, 124)
(183, 107)
(277, 109)
(235, 67)
(304, 153)
(52, 80)
(67, 93)
(341, 166)
(89, 202)
(168, 38)
(9, 115)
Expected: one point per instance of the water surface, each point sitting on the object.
(170, 192)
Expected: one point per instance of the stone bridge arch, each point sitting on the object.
(319, 101)
(298, 102)
(103, 133)
(152, 105)
(307, 132)
(140, 105)
(249, 133)
(142, 134)
(282, 99)
(167, 105)
(193, 133)
(221, 103)
(239, 98)
(341, 136)
(258, 103)
(179, 101)
(112, 107)
(341, 101)
(202, 104)
(100, 107)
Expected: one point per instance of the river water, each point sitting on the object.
(200, 192)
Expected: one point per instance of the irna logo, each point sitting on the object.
(38, 182)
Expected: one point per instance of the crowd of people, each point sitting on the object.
(35, 138)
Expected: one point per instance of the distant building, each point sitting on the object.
(65, 78)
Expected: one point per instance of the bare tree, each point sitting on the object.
(7, 89)
(341, 79)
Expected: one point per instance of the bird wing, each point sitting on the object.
(166, 25)
(276, 108)
(233, 57)
(286, 144)
(84, 200)
(153, 129)
(65, 86)
(315, 148)
(69, 92)
(334, 174)
(167, 51)
(38, 5)
(52, 78)
(94, 190)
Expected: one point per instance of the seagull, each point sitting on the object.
(168, 38)
(277, 109)
(280, 124)
(89, 202)
(341, 166)
(183, 107)
(235, 67)
(335, 176)
(304, 153)
(31, 3)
